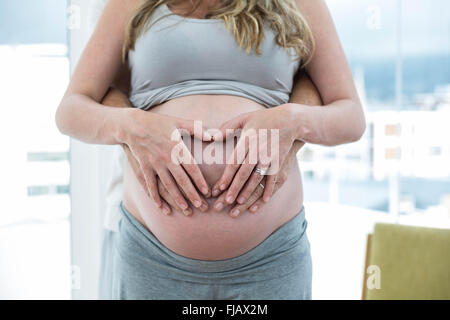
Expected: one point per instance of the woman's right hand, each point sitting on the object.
(149, 137)
(166, 199)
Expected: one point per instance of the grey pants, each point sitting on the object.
(135, 265)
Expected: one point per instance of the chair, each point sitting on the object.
(407, 262)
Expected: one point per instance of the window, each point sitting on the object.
(34, 167)
(398, 172)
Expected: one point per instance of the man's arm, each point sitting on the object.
(117, 95)
(305, 91)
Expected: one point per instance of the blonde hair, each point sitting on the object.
(244, 20)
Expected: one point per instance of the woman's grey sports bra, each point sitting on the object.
(181, 56)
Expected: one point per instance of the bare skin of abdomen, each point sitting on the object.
(211, 235)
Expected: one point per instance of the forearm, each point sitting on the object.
(304, 92)
(337, 123)
(84, 119)
(118, 99)
(96, 123)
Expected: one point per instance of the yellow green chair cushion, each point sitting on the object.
(414, 262)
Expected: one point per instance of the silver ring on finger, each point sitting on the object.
(261, 171)
(261, 185)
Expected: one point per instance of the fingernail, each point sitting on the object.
(223, 187)
(235, 213)
(183, 206)
(197, 204)
(187, 212)
(241, 200)
(266, 199)
(219, 206)
(166, 211)
(204, 206)
(254, 208)
(215, 192)
(230, 199)
(205, 191)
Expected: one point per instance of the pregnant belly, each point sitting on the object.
(211, 235)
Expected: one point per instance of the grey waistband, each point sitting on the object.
(281, 243)
(146, 98)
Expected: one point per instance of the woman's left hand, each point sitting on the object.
(265, 141)
(254, 201)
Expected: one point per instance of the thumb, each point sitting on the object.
(194, 128)
(231, 126)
